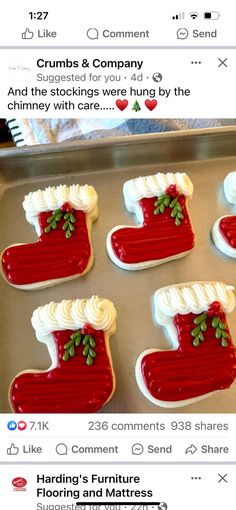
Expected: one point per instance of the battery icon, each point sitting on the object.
(211, 15)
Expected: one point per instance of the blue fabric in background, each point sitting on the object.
(141, 126)
(40, 131)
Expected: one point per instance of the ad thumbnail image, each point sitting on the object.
(118, 245)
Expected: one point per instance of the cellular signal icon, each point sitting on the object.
(181, 15)
(193, 15)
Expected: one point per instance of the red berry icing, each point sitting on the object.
(87, 330)
(172, 191)
(215, 309)
(66, 207)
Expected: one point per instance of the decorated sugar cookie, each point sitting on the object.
(202, 358)
(164, 233)
(81, 377)
(224, 229)
(62, 217)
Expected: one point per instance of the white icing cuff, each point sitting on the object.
(98, 312)
(230, 187)
(194, 297)
(83, 198)
(155, 186)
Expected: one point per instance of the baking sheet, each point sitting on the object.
(207, 156)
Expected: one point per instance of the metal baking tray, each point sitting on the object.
(207, 156)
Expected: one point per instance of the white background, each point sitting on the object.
(212, 88)
(71, 21)
(180, 431)
(169, 484)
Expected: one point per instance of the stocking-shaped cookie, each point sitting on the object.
(62, 217)
(224, 229)
(81, 377)
(165, 231)
(203, 358)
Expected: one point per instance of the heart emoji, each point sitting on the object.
(22, 425)
(122, 104)
(151, 104)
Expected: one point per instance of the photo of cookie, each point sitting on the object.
(164, 233)
(62, 217)
(81, 377)
(202, 358)
(224, 229)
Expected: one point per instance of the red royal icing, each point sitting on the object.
(189, 371)
(227, 227)
(72, 387)
(52, 256)
(158, 238)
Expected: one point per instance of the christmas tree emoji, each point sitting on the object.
(136, 106)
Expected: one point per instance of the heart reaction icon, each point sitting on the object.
(22, 425)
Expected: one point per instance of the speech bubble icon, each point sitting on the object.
(182, 33)
(61, 449)
(92, 33)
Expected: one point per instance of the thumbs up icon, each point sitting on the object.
(13, 450)
(27, 34)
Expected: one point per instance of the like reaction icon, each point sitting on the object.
(12, 425)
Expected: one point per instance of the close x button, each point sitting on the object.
(222, 62)
(222, 478)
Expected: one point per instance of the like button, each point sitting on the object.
(27, 34)
(12, 450)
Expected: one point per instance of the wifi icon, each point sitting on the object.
(193, 15)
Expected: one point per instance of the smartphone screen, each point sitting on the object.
(118, 248)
